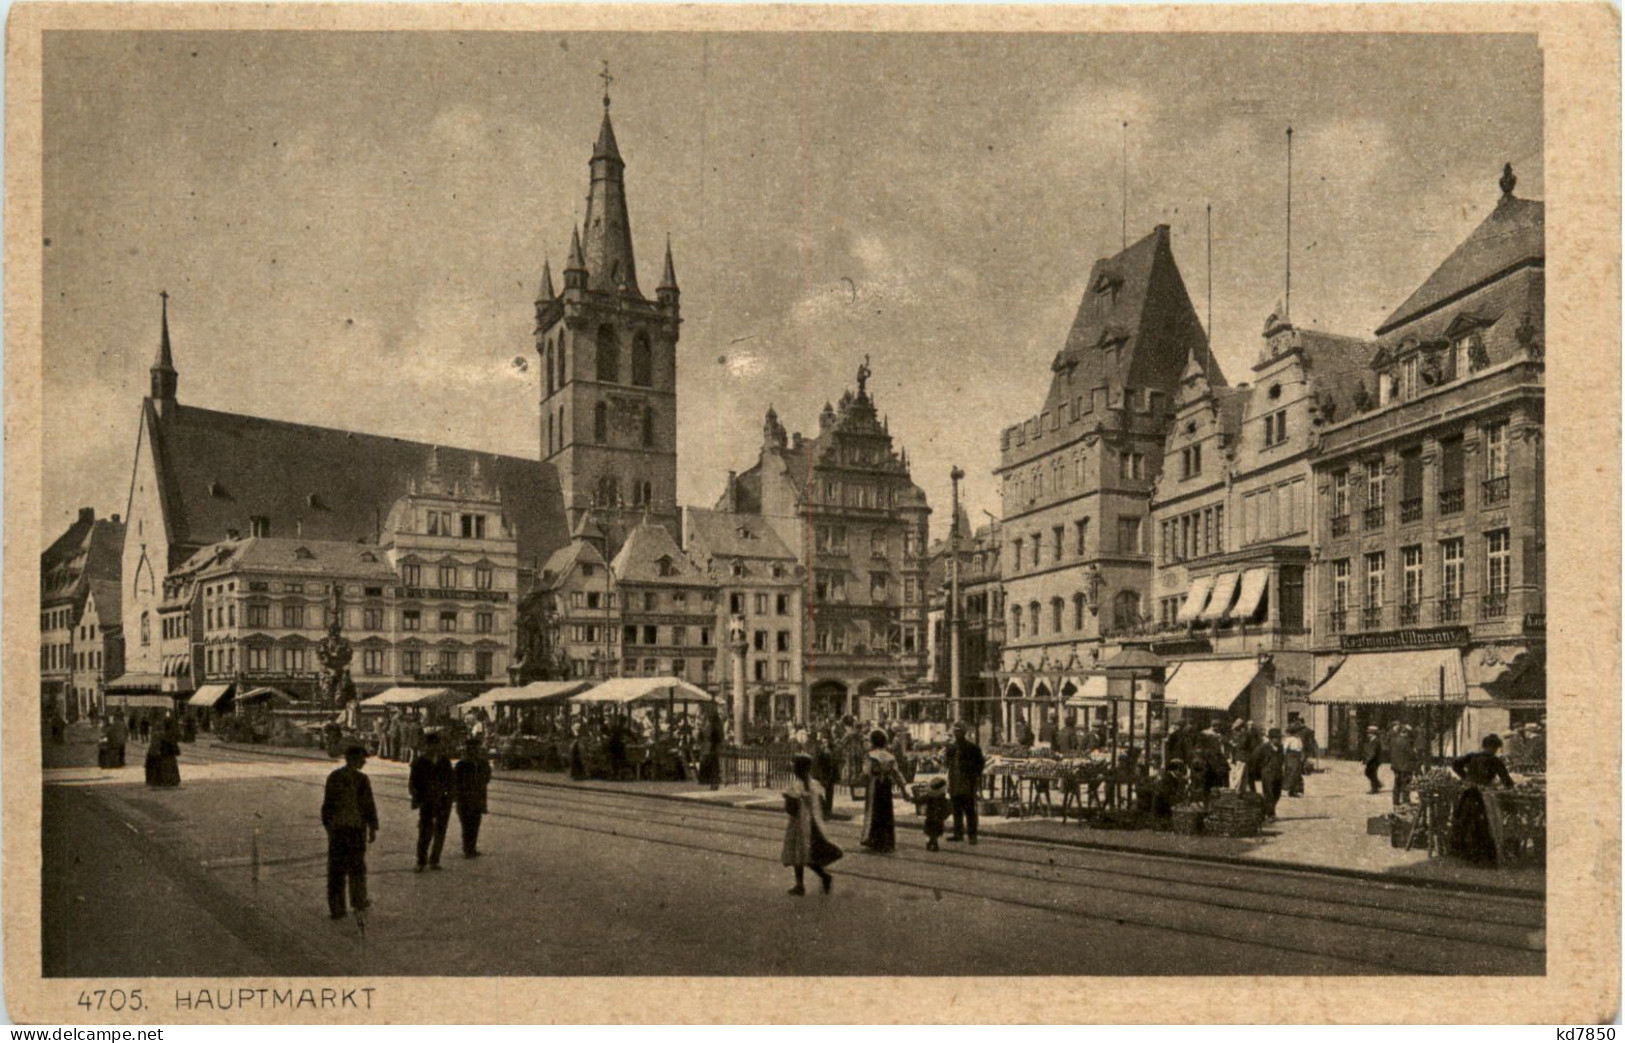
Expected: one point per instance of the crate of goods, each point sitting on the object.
(1402, 827)
(1377, 825)
(1188, 820)
(1233, 814)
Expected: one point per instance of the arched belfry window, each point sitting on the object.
(609, 491)
(609, 355)
(600, 422)
(643, 363)
(549, 367)
(648, 425)
(564, 367)
(550, 432)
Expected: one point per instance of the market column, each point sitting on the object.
(737, 645)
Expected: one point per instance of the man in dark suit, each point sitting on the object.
(351, 820)
(1266, 766)
(827, 770)
(433, 786)
(473, 774)
(1371, 754)
(965, 763)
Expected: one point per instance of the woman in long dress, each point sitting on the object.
(1475, 829)
(881, 772)
(805, 845)
(163, 753)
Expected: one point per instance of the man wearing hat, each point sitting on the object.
(965, 765)
(473, 780)
(1371, 754)
(351, 820)
(1265, 766)
(432, 784)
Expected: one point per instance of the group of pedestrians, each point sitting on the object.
(436, 786)
(1401, 749)
(808, 796)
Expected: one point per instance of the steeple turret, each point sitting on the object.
(667, 291)
(546, 292)
(164, 377)
(575, 269)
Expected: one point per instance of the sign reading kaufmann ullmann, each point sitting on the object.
(1424, 637)
(902, 347)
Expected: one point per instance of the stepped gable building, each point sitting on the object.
(76, 645)
(570, 625)
(202, 476)
(1232, 522)
(609, 367)
(1077, 476)
(1430, 500)
(758, 580)
(844, 503)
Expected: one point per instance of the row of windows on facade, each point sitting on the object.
(1450, 472)
(831, 539)
(830, 585)
(374, 662)
(451, 523)
(1032, 553)
(1078, 407)
(607, 359)
(1418, 372)
(600, 427)
(1452, 574)
(295, 617)
(651, 667)
(56, 619)
(1288, 614)
(1270, 513)
(905, 639)
(1125, 614)
(864, 495)
(448, 577)
(1061, 474)
(60, 656)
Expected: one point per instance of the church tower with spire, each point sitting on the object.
(609, 365)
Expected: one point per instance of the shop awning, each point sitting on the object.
(147, 701)
(1196, 599)
(177, 665)
(1209, 684)
(137, 683)
(412, 697)
(535, 692)
(1224, 591)
(1253, 582)
(209, 694)
(624, 691)
(275, 695)
(1394, 677)
(1091, 692)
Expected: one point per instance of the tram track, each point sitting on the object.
(1076, 883)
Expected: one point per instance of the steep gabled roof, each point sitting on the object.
(724, 535)
(218, 470)
(564, 561)
(1136, 300)
(1338, 365)
(106, 597)
(640, 556)
(300, 557)
(1513, 235)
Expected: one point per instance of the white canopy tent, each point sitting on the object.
(530, 694)
(1209, 684)
(629, 691)
(411, 697)
(209, 695)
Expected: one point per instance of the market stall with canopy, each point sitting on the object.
(413, 697)
(1425, 686)
(535, 693)
(1209, 685)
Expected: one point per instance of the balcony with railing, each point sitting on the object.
(1410, 510)
(1374, 517)
(1493, 606)
(1497, 491)
(1340, 525)
(1451, 501)
(1448, 610)
(1371, 617)
(1339, 620)
(1410, 613)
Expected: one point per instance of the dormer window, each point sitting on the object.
(369, 556)
(665, 566)
(737, 569)
(303, 553)
(259, 525)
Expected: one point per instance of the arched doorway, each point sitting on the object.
(826, 699)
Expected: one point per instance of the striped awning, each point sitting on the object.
(1253, 584)
(1224, 591)
(1196, 600)
(209, 695)
(1209, 684)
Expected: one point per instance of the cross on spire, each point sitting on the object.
(608, 79)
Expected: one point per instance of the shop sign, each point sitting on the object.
(447, 677)
(1186, 646)
(1535, 621)
(1293, 688)
(1414, 637)
(450, 594)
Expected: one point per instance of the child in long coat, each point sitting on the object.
(937, 810)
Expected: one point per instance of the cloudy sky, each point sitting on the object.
(352, 226)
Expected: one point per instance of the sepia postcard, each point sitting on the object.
(951, 502)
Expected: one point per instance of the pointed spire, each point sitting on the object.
(605, 147)
(164, 379)
(668, 279)
(547, 293)
(577, 261)
(607, 234)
